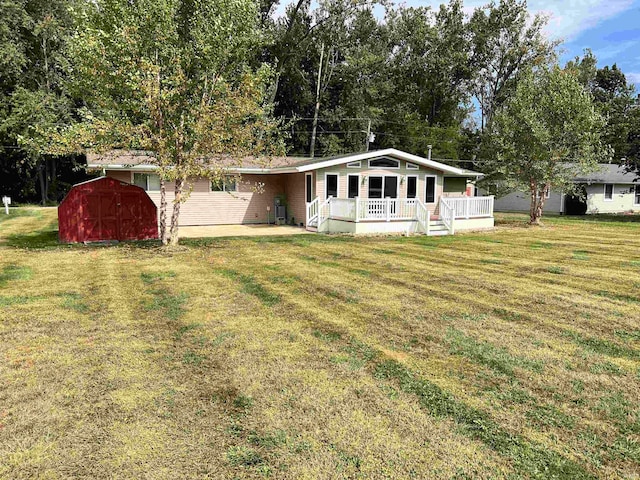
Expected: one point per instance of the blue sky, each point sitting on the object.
(611, 28)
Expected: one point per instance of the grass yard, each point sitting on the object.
(511, 354)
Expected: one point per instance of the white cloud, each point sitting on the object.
(633, 77)
(568, 19)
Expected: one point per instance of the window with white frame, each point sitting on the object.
(636, 194)
(353, 187)
(150, 182)
(412, 166)
(412, 186)
(608, 192)
(228, 183)
(357, 164)
(430, 189)
(331, 185)
(384, 162)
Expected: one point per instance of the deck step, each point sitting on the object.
(436, 233)
(312, 228)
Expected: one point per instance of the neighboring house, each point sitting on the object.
(373, 192)
(609, 190)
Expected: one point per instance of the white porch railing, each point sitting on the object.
(470, 207)
(389, 209)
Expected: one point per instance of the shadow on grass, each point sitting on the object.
(48, 239)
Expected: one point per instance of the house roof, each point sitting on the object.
(144, 161)
(607, 173)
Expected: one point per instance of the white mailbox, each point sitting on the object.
(7, 201)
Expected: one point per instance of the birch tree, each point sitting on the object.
(171, 77)
(545, 134)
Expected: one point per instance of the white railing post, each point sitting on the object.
(306, 217)
(388, 209)
(453, 218)
(491, 199)
(468, 207)
(357, 209)
(428, 221)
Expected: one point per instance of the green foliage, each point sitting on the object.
(547, 132)
(164, 301)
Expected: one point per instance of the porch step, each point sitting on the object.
(437, 227)
(312, 228)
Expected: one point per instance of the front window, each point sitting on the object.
(228, 183)
(375, 187)
(331, 185)
(412, 187)
(150, 182)
(430, 195)
(636, 198)
(354, 186)
(608, 191)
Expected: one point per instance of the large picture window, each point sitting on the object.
(608, 192)
(430, 187)
(150, 182)
(331, 185)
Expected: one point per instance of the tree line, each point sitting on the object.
(186, 77)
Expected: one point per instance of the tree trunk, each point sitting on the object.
(537, 203)
(316, 111)
(163, 212)
(175, 216)
(42, 181)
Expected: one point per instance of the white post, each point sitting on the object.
(491, 205)
(468, 206)
(357, 209)
(7, 201)
(330, 207)
(306, 217)
(453, 217)
(428, 220)
(388, 209)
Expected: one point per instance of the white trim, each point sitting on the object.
(604, 192)
(393, 153)
(435, 189)
(383, 157)
(353, 175)
(406, 190)
(337, 184)
(308, 175)
(412, 166)
(352, 164)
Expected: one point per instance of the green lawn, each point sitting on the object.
(510, 354)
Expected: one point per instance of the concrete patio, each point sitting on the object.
(240, 231)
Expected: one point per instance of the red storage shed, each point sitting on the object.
(106, 209)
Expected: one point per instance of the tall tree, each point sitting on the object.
(33, 97)
(170, 77)
(506, 42)
(546, 133)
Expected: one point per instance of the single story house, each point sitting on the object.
(372, 192)
(611, 189)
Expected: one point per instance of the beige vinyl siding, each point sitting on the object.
(294, 189)
(622, 201)
(221, 208)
